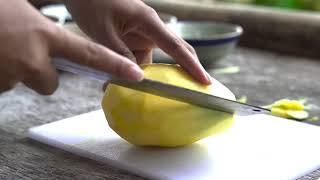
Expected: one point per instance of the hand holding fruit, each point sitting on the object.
(132, 29)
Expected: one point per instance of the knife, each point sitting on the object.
(165, 90)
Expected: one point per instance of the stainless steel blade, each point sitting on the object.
(192, 97)
(165, 90)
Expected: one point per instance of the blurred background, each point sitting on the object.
(312, 5)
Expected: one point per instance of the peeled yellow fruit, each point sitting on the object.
(148, 120)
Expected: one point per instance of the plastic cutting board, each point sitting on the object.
(256, 147)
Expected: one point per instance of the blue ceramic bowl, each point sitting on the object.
(212, 41)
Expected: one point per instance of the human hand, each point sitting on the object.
(28, 40)
(132, 29)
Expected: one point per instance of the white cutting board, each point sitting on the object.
(256, 147)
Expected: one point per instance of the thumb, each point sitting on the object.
(82, 51)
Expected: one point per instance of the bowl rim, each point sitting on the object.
(220, 38)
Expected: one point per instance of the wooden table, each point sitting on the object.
(263, 78)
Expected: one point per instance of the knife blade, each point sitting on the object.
(165, 90)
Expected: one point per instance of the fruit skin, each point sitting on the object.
(148, 120)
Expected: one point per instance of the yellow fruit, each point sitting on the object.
(292, 109)
(148, 120)
(288, 104)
